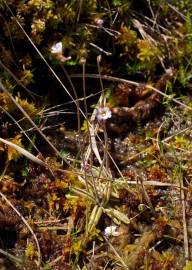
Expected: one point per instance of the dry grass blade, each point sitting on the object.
(155, 183)
(143, 33)
(83, 193)
(185, 234)
(24, 152)
(11, 257)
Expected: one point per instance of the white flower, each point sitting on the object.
(57, 48)
(103, 113)
(99, 22)
(111, 231)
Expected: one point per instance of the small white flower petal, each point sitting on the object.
(103, 113)
(57, 48)
(99, 22)
(111, 231)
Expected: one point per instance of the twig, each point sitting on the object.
(100, 49)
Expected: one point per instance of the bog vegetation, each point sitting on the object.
(95, 134)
